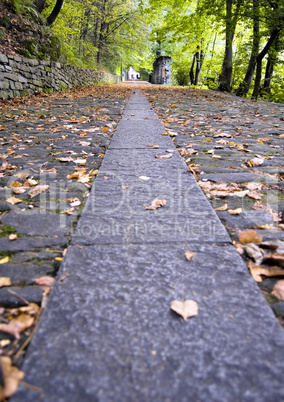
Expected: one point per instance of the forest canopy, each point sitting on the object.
(234, 45)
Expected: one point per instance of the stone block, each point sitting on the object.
(3, 59)
(22, 79)
(8, 68)
(18, 85)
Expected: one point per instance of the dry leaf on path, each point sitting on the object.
(65, 159)
(252, 186)
(38, 190)
(167, 156)
(145, 178)
(4, 260)
(155, 146)
(156, 203)
(12, 377)
(236, 211)
(278, 290)
(124, 187)
(222, 208)
(14, 200)
(13, 237)
(187, 308)
(255, 162)
(254, 252)
(189, 254)
(249, 236)
(256, 271)
(44, 281)
(256, 195)
(17, 325)
(276, 258)
(4, 281)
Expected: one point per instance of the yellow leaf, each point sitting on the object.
(58, 258)
(187, 308)
(4, 281)
(17, 325)
(101, 155)
(14, 200)
(4, 260)
(256, 271)
(105, 130)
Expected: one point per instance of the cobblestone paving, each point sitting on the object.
(51, 149)
(229, 142)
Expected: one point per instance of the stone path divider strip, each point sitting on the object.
(108, 333)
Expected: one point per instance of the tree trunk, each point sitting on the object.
(54, 14)
(259, 59)
(199, 62)
(227, 67)
(246, 83)
(40, 4)
(191, 74)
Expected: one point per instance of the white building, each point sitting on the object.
(133, 74)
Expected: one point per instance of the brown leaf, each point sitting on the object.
(249, 236)
(255, 252)
(167, 156)
(222, 208)
(44, 281)
(276, 258)
(189, 254)
(187, 308)
(156, 203)
(13, 237)
(4, 281)
(278, 290)
(14, 200)
(124, 187)
(256, 271)
(12, 377)
(17, 325)
(38, 190)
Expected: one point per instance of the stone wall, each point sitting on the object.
(20, 76)
(162, 71)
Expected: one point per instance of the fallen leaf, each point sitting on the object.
(253, 186)
(124, 187)
(276, 258)
(278, 290)
(145, 178)
(14, 200)
(4, 281)
(226, 135)
(256, 271)
(167, 156)
(187, 308)
(236, 211)
(156, 203)
(65, 159)
(38, 190)
(189, 254)
(256, 195)
(257, 161)
(44, 281)
(222, 208)
(12, 377)
(249, 236)
(13, 237)
(254, 252)
(155, 146)
(17, 325)
(4, 260)
(81, 162)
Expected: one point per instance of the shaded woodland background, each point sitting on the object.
(234, 45)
